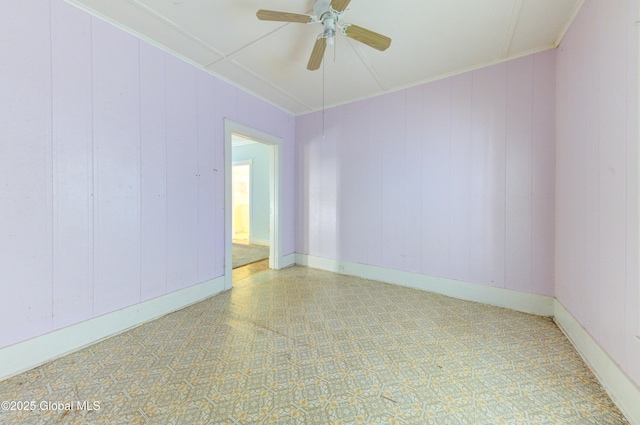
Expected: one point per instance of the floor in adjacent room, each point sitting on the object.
(302, 346)
(245, 253)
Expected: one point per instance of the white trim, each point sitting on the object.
(275, 182)
(275, 205)
(513, 22)
(26, 355)
(239, 141)
(515, 300)
(192, 62)
(637, 39)
(386, 91)
(567, 25)
(624, 393)
(288, 260)
(622, 390)
(303, 108)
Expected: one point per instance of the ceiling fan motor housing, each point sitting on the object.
(321, 7)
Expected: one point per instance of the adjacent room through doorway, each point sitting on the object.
(263, 151)
(251, 198)
(241, 200)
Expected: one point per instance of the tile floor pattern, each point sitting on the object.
(303, 346)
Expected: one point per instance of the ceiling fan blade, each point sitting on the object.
(340, 5)
(368, 37)
(272, 15)
(317, 54)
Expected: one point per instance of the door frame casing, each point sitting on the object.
(275, 196)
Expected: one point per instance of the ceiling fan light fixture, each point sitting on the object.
(329, 30)
(329, 13)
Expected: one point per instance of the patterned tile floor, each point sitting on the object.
(302, 346)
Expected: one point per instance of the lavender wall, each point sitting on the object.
(597, 177)
(453, 178)
(111, 169)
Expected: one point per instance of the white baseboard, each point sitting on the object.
(500, 297)
(26, 355)
(624, 393)
(288, 261)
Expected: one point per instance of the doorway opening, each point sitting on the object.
(241, 192)
(253, 218)
(250, 199)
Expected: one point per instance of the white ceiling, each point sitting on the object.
(431, 39)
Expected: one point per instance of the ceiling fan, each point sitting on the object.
(329, 13)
